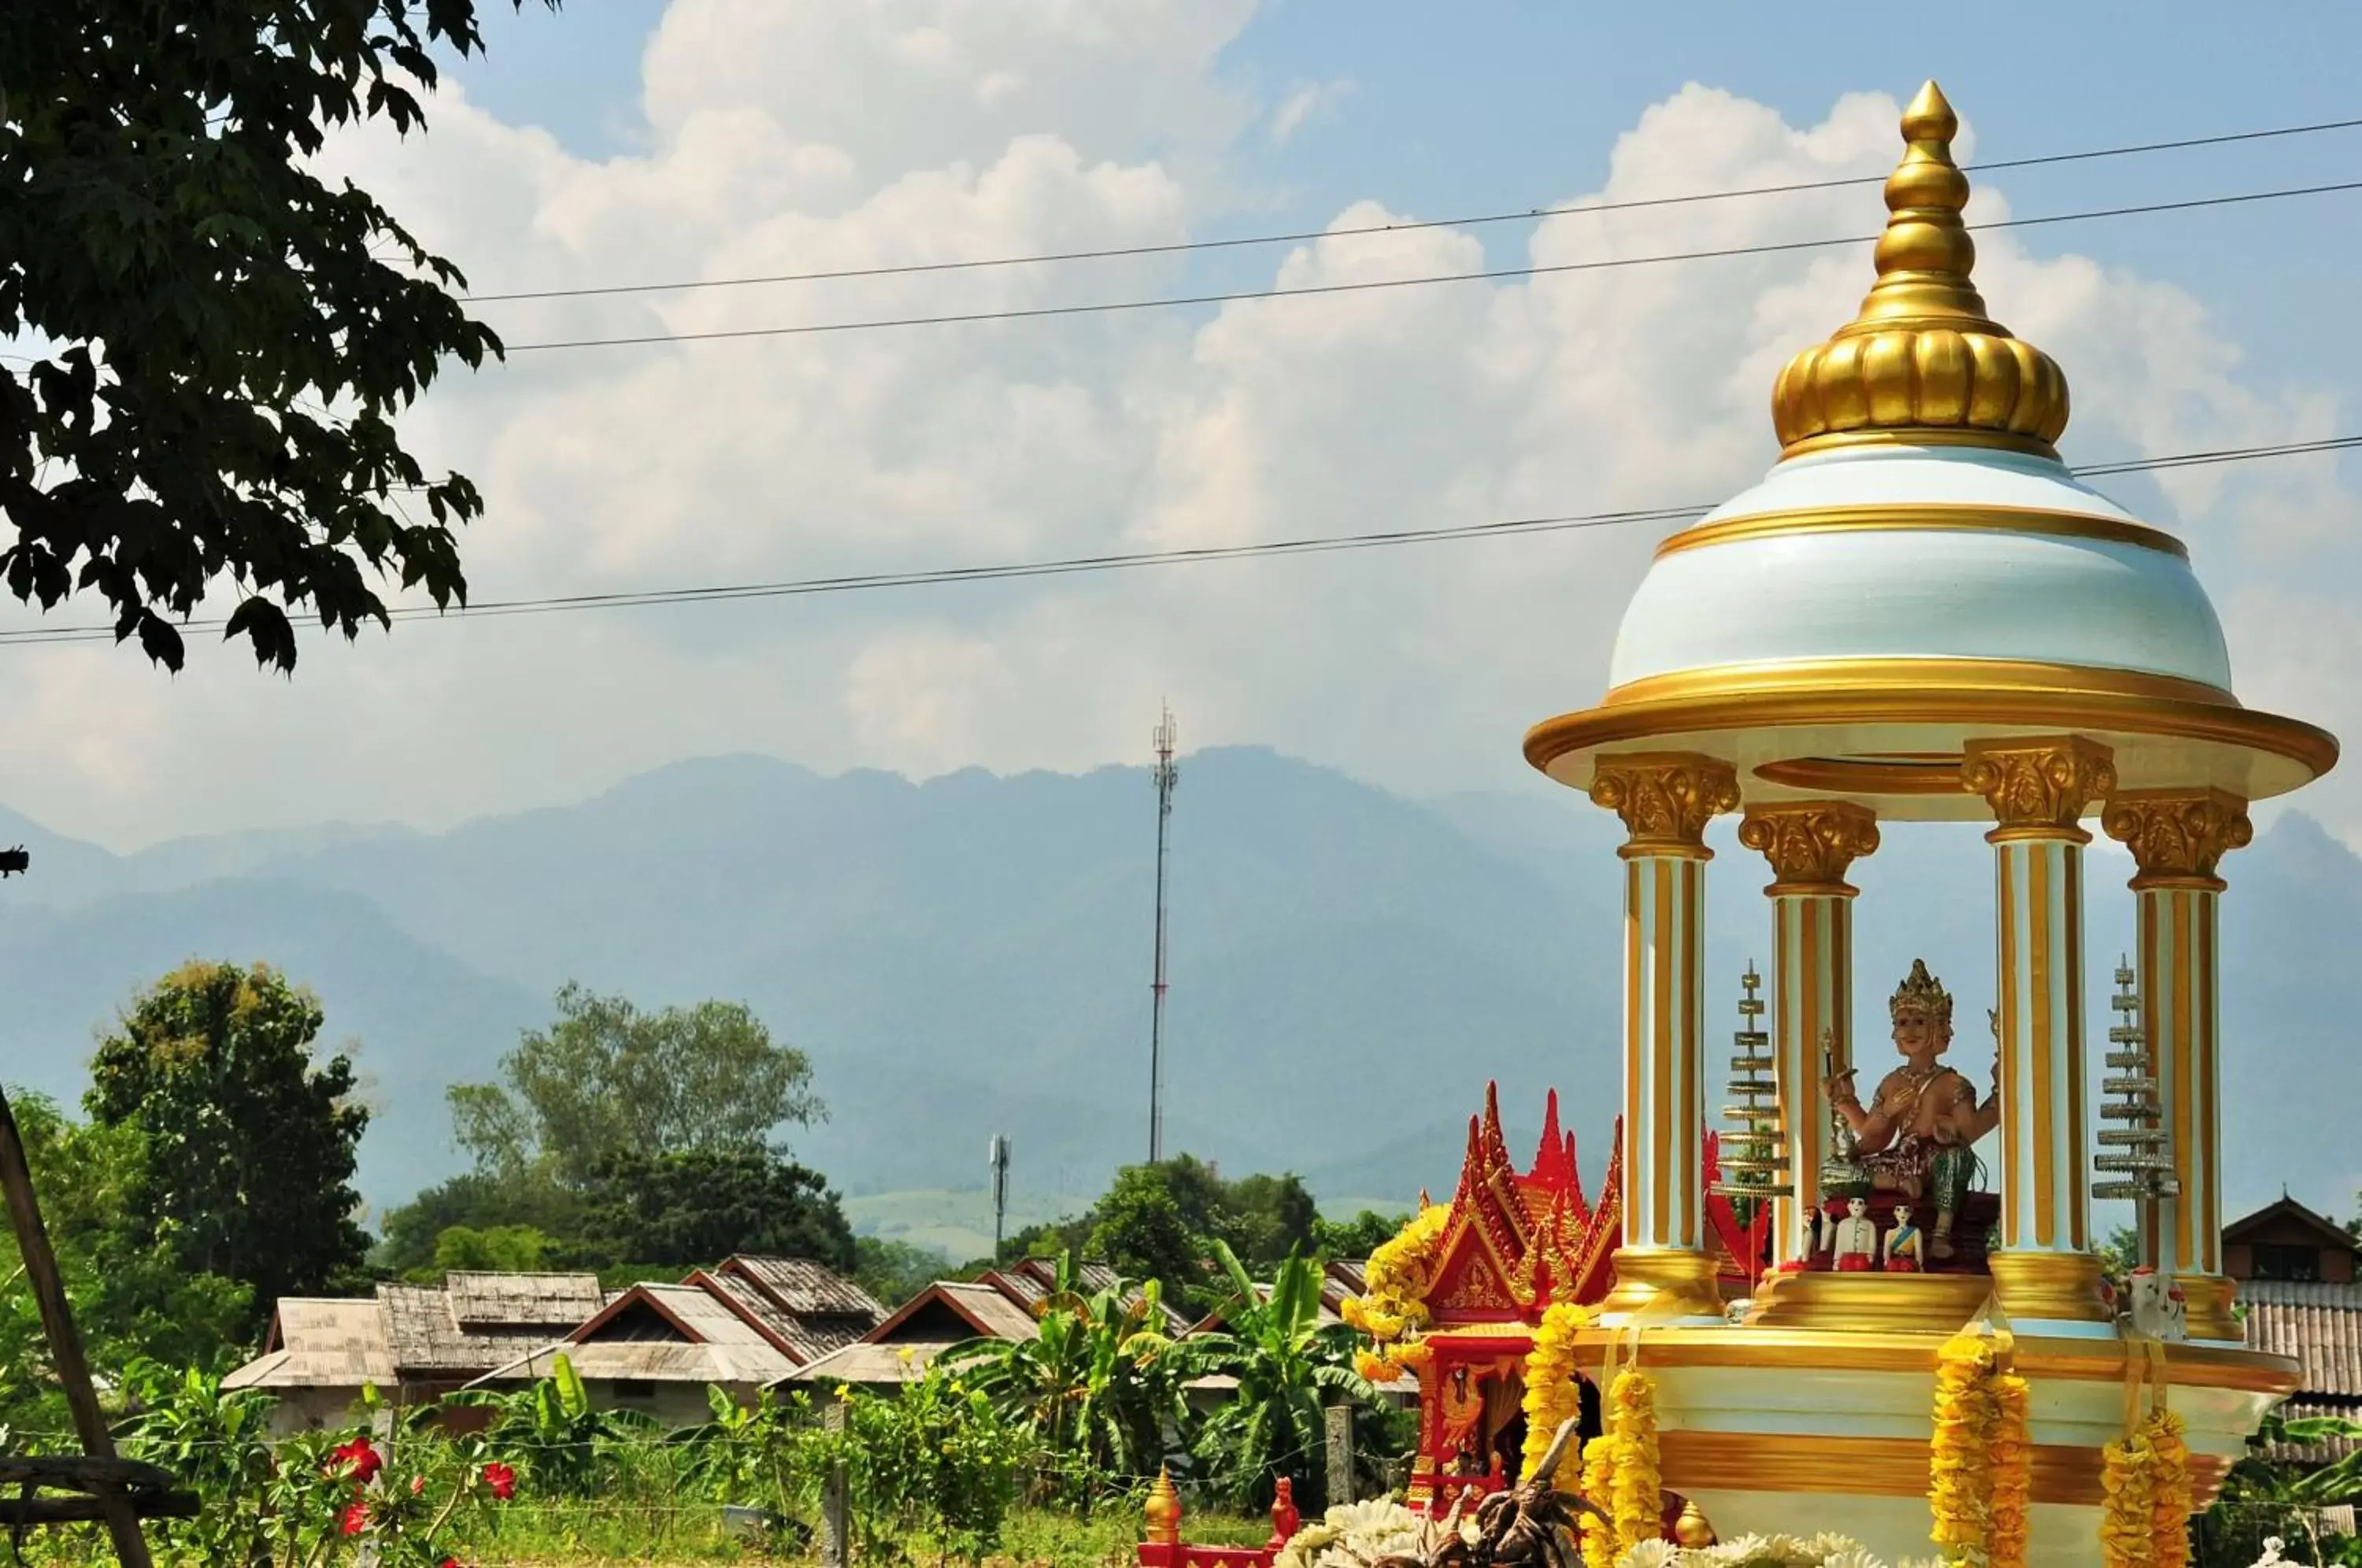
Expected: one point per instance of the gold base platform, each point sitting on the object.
(1661, 1283)
(1869, 1303)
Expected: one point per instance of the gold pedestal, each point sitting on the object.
(2060, 1286)
(2206, 1300)
(1864, 1303)
(1663, 1282)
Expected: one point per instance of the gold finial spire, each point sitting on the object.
(1922, 361)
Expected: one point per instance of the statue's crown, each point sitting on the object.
(1921, 992)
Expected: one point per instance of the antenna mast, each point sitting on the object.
(1165, 776)
(998, 1158)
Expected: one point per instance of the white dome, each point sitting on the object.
(1910, 552)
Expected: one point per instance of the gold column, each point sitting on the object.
(2177, 838)
(1665, 801)
(1809, 845)
(2037, 788)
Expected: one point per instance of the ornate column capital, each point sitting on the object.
(2178, 837)
(1810, 843)
(1665, 798)
(2039, 785)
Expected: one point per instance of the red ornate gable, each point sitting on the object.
(1515, 1242)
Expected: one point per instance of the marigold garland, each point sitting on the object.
(1639, 1501)
(1599, 1486)
(2172, 1494)
(2011, 1468)
(1553, 1396)
(1960, 1464)
(2128, 1515)
(1393, 1304)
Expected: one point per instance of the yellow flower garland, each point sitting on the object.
(1638, 1495)
(1551, 1393)
(1959, 1488)
(2012, 1469)
(2170, 1487)
(2128, 1516)
(1394, 1303)
(1598, 1483)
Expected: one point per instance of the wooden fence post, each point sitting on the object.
(1339, 1441)
(836, 1498)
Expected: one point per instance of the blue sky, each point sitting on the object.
(1483, 107)
(626, 142)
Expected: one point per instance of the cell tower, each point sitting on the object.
(1167, 775)
(998, 1159)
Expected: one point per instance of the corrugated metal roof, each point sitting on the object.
(481, 1301)
(1001, 1318)
(806, 1288)
(2319, 1325)
(651, 1361)
(872, 1365)
(424, 1338)
(323, 1343)
(807, 1337)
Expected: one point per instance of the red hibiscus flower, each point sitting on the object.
(355, 1518)
(358, 1460)
(501, 1479)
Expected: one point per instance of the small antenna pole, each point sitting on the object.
(1165, 775)
(998, 1159)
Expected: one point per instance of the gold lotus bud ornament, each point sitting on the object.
(1922, 361)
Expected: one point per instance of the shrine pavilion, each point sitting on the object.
(1919, 614)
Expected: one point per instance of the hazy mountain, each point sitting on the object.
(970, 956)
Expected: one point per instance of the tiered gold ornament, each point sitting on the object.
(2134, 1164)
(1754, 1154)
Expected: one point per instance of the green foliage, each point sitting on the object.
(699, 1206)
(498, 1249)
(1289, 1365)
(559, 1441)
(216, 1445)
(932, 1458)
(226, 339)
(249, 1138)
(895, 1271)
(131, 1294)
(1356, 1238)
(1141, 1231)
(475, 1200)
(1096, 1391)
(608, 1081)
(1160, 1221)
(2256, 1479)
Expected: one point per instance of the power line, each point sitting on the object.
(1299, 236)
(1320, 544)
(1489, 275)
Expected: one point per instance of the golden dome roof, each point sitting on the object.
(1922, 361)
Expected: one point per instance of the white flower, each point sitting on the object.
(1654, 1554)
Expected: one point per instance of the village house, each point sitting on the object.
(738, 1327)
(2297, 1279)
(411, 1343)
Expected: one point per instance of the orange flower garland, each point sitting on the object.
(1552, 1395)
(2011, 1468)
(2171, 1500)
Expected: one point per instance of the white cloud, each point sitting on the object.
(811, 137)
(1305, 104)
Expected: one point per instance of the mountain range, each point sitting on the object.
(970, 956)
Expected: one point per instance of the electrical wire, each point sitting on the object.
(1105, 307)
(1319, 545)
(1408, 227)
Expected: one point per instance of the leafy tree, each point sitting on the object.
(1140, 1229)
(474, 1200)
(1269, 1217)
(226, 337)
(498, 1249)
(1289, 1365)
(699, 1206)
(132, 1298)
(895, 1271)
(1356, 1238)
(607, 1080)
(249, 1138)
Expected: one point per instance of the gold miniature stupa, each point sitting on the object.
(1957, 629)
